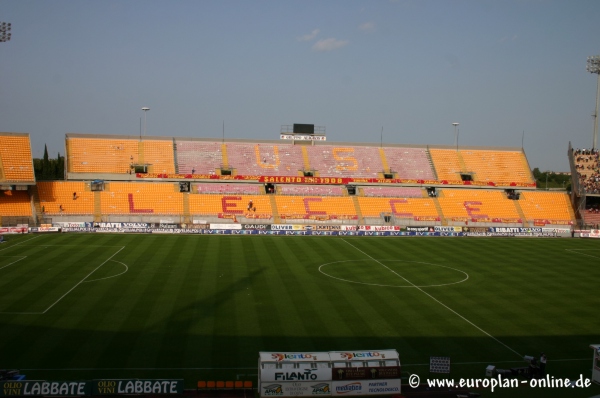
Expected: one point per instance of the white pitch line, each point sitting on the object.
(44, 245)
(17, 244)
(583, 254)
(13, 261)
(114, 276)
(81, 281)
(434, 299)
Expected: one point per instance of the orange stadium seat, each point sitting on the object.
(317, 207)
(213, 205)
(400, 207)
(142, 198)
(486, 165)
(55, 194)
(159, 155)
(16, 159)
(115, 155)
(101, 155)
(15, 203)
(551, 206)
(477, 204)
(446, 164)
(490, 165)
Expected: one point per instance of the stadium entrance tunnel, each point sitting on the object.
(393, 273)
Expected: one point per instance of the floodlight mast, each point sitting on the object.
(145, 109)
(593, 66)
(455, 124)
(5, 31)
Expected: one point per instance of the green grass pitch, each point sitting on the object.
(202, 307)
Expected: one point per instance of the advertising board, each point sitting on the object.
(299, 374)
(376, 372)
(266, 357)
(363, 355)
(45, 388)
(295, 389)
(137, 386)
(366, 387)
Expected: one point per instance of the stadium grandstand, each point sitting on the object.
(129, 178)
(16, 178)
(585, 195)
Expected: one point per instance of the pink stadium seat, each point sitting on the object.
(391, 192)
(265, 159)
(346, 161)
(229, 188)
(202, 157)
(409, 163)
(308, 190)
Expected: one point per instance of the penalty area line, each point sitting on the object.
(577, 251)
(434, 299)
(17, 244)
(81, 281)
(16, 261)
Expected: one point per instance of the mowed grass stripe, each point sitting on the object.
(228, 284)
(266, 296)
(176, 304)
(279, 306)
(316, 311)
(210, 293)
(192, 298)
(134, 295)
(310, 314)
(152, 312)
(246, 266)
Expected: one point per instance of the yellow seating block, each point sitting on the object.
(508, 166)
(56, 193)
(401, 207)
(546, 206)
(210, 204)
(476, 203)
(103, 155)
(14, 203)
(141, 198)
(15, 152)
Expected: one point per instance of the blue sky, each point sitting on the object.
(499, 68)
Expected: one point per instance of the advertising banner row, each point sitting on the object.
(14, 230)
(311, 230)
(299, 229)
(36, 388)
(594, 233)
(329, 180)
(328, 374)
(136, 226)
(335, 388)
(296, 229)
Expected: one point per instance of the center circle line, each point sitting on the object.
(395, 286)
